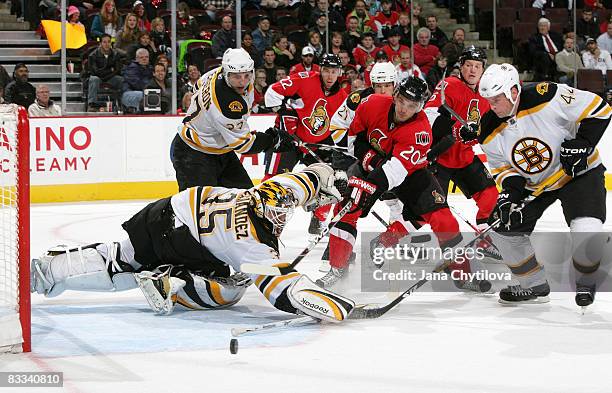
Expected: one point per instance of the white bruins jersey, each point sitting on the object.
(342, 119)
(216, 121)
(528, 143)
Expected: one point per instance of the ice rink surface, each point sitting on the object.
(432, 342)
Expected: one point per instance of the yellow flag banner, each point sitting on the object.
(75, 35)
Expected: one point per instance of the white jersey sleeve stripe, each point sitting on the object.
(596, 101)
(604, 113)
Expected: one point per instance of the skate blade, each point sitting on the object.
(538, 300)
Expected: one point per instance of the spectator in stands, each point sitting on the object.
(281, 73)
(259, 90)
(273, 4)
(144, 41)
(2, 94)
(393, 48)
(363, 18)
(314, 42)
(128, 35)
(406, 68)
(305, 10)
(163, 59)
(603, 25)
(185, 102)
(4, 76)
(567, 62)
(269, 66)
(106, 22)
(351, 37)
(136, 76)
(384, 19)
(586, 27)
(103, 65)
(160, 37)
(321, 28)
(20, 91)
(186, 25)
(224, 38)
(73, 16)
(336, 45)
(345, 57)
(400, 6)
(139, 10)
(262, 37)
(212, 6)
(42, 105)
(438, 37)
(307, 63)
(48, 9)
(247, 45)
(543, 46)
(404, 28)
(160, 82)
(336, 20)
(453, 49)
(595, 58)
(193, 74)
(438, 72)
(285, 52)
(604, 41)
(357, 85)
(417, 20)
(364, 53)
(425, 54)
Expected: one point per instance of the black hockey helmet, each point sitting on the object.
(413, 88)
(330, 60)
(473, 53)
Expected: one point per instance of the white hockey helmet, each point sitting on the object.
(383, 73)
(498, 79)
(236, 60)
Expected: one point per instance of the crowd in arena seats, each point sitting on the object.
(287, 36)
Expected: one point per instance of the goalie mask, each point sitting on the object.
(275, 204)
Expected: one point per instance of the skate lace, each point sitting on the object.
(520, 291)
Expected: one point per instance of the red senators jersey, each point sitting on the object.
(314, 107)
(468, 104)
(404, 144)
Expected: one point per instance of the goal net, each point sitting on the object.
(14, 230)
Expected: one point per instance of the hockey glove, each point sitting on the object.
(469, 134)
(574, 156)
(508, 209)
(371, 160)
(361, 194)
(281, 141)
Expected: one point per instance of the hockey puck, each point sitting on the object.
(234, 346)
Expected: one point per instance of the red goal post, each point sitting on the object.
(14, 229)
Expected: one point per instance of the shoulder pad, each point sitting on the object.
(489, 124)
(231, 104)
(535, 94)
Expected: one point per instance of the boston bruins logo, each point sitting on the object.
(318, 122)
(531, 155)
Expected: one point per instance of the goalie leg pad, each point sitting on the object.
(80, 269)
(317, 302)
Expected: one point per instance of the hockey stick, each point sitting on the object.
(474, 227)
(371, 311)
(448, 108)
(253, 268)
(236, 332)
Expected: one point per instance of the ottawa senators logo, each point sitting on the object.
(235, 106)
(531, 155)
(318, 121)
(422, 138)
(438, 198)
(376, 138)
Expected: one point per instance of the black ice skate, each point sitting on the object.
(585, 295)
(515, 294)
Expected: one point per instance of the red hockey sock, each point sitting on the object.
(485, 200)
